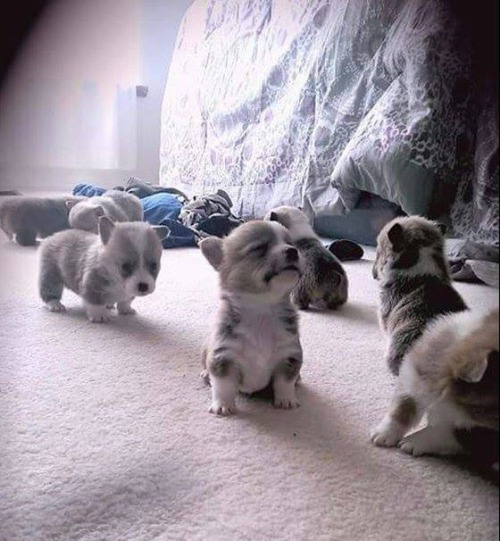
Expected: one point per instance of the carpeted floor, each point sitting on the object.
(105, 435)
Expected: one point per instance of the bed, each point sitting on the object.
(328, 104)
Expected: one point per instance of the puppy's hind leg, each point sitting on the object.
(404, 413)
(51, 287)
(26, 237)
(285, 380)
(224, 381)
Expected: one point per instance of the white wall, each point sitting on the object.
(62, 117)
(159, 25)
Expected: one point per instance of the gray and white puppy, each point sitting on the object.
(25, 218)
(117, 205)
(255, 341)
(324, 281)
(116, 266)
(451, 373)
(415, 283)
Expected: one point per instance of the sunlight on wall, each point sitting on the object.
(70, 97)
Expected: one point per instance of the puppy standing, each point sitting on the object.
(114, 267)
(324, 281)
(415, 283)
(117, 205)
(24, 218)
(255, 341)
(452, 374)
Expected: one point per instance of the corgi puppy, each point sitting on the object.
(255, 341)
(117, 205)
(119, 264)
(324, 281)
(25, 218)
(451, 373)
(415, 283)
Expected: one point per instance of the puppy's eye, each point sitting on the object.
(259, 249)
(153, 266)
(127, 268)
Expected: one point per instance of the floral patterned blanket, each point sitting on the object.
(313, 102)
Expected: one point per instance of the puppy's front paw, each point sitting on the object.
(430, 441)
(97, 314)
(99, 319)
(286, 403)
(126, 311)
(55, 306)
(386, 434)
(222, 410)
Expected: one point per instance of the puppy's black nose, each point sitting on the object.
(292, 255)
(142, 287)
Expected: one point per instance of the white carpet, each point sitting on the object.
(105, 435)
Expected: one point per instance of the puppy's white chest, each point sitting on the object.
(262, 346)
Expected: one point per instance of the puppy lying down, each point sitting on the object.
(324, 282)
(116, 205)
(255, 340)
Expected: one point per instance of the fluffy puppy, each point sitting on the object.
(117, 205)
(324, 282)
(114, 267)
(24, 218)
(255, 341)
(452, 374)
(415, 283)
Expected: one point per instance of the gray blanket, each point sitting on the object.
(313, 102)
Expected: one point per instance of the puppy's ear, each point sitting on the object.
(473, 372)
(105, 228)
(396, 236)
(98, 211)
(211, 248)
(71, 203)
(162, 231)
(273, 217)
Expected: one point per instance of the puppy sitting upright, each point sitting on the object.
(324, 281)
(415, 283)
(255, 341)
(114, 267)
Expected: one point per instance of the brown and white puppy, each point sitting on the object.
(415, 283)
(324, 282)
(451, 373)
(119, 264)
(25, 218)
(255, 341)
(117, 205)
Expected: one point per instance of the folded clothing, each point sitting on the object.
(88, 190)
(164, 209)
(188, 221)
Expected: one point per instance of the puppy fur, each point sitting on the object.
(25, 218)
(117, 205)
(452, 374)
(415, 283)
(114, 267)
(324, 281)
(255, 341)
